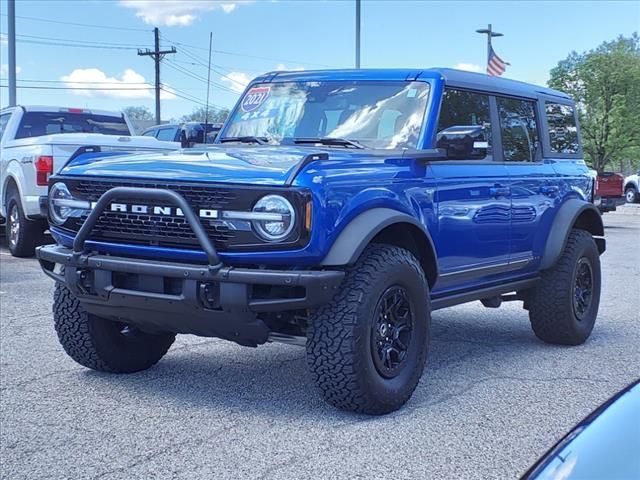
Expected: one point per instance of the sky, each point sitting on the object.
(83, 53)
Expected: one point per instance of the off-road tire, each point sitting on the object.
(339, 337)
(29, 232)
(98, 343)
(551, 303)
(631, 195)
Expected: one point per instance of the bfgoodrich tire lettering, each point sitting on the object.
(564, 305)
(102, 344)
(340, 347)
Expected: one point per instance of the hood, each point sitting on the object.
(266, 165)
(99, 139)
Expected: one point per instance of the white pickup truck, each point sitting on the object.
(36, 142)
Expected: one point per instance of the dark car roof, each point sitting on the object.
(450, 76)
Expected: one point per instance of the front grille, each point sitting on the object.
(155, 230)
(173, 230)
(159, 230)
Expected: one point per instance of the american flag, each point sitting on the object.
(496, 66)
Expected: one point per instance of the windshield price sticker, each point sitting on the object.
(254, 98)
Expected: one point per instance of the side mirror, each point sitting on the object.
(462, 142)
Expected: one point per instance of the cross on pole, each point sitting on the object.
(490, 34)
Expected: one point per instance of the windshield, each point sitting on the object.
(36, 124)
(374, 114)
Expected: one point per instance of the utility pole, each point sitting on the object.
(490, 34)
(11, 10)
(157, 56)
(358, 34)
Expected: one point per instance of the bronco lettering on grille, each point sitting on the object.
(159, 210)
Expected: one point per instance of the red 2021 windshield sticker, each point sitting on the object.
(254, 98)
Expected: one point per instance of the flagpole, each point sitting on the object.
(490, 34)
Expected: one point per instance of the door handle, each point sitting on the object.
(549, 189)
(499, 191)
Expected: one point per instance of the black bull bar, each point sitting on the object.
(211, 300)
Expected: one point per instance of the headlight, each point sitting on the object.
(274, 218)
(62, 205)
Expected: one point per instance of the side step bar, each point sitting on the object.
(464, 297)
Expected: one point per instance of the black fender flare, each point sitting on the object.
(362, 229)
(573, 212)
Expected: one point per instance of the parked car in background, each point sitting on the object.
(602, 446)
(632, 188)
(35, 142)
(188, 133)
(336, 211)
(608, 191)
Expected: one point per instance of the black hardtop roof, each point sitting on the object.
(451, 76)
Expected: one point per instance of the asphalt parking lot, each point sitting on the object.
(492, 400)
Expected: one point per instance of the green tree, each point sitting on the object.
(138, 113)
(198, 115)
(605, 82)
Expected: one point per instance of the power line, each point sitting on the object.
(224, 52)
(191, 98)
(108, 27)
(73, 45)
(104, 82)
(89, 42)
(42, 87)
(194, 57)
(198, 77)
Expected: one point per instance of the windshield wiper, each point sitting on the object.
(245, 139)
(329, 141)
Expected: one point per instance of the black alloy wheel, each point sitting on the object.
(391, 331)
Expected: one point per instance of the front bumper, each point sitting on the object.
(186, 298)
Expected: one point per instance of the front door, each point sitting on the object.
(472, 200)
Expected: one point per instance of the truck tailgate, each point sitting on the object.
(609, 184)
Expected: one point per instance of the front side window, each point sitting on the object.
(166, 134)
(36, 124)
(518, 129)
(460, 112)
(375, 114)
(563, 131)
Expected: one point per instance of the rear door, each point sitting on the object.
(472, 200)
(534, 182)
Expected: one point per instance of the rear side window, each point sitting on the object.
(563, 132)
(36, 124)
(4, 120)
(520, 141)
(464, 109)
(149, 133)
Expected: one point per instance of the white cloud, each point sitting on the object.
(469, 67)
(237, 81)
(4, 69)
(3, 39)
(283, 67)
(88, 82)
(177, 13)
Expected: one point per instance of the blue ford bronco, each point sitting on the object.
(336, 210)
